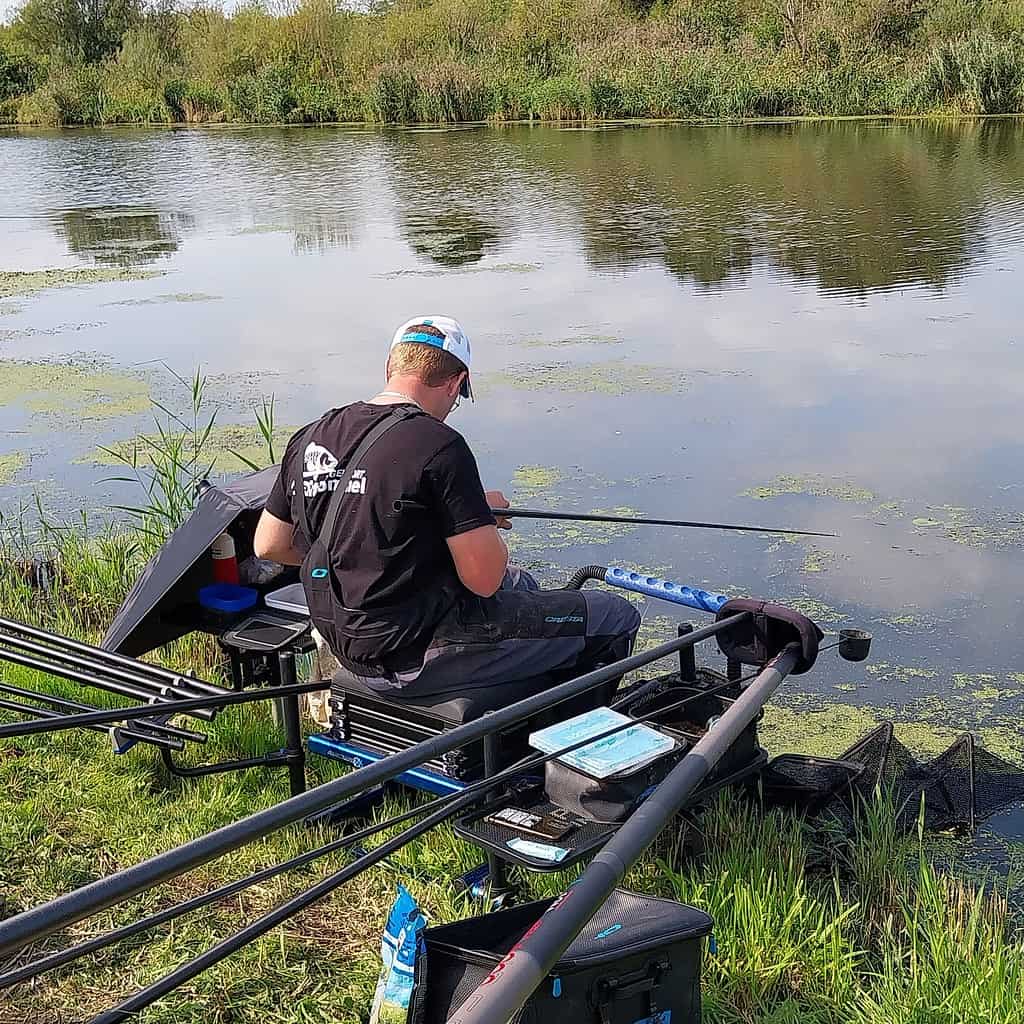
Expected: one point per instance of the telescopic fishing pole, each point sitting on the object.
(31, 925)
(437, 811)
(402, 505)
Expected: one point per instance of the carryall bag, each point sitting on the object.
(636, 962)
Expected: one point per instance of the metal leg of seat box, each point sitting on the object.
(292, 756)
(498, 888)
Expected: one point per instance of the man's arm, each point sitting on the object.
(481, 559)
(273, 540)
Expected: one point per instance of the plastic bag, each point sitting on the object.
(400, 944)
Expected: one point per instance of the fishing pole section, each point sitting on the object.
(403, 505)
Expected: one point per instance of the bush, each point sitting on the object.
(19, 72)
(977, 75)
(71, 94)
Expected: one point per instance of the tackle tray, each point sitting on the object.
(584, 840)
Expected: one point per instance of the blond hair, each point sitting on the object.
(433, 366)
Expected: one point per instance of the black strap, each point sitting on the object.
(327, 527)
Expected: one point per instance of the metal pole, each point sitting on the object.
(122, 689)
(117, 675)
(294, 751)
(33, 924)
(64, 704)
(47, 714)
(514, 980)
(21, 629)
(165, 707)
(580, 517)
(687, 656)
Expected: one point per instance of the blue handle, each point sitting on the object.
(677, 593)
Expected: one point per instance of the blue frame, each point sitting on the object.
(423, 779)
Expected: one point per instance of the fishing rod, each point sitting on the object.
(507, 988)
(402, 505)
(439, 810)
(37, 922)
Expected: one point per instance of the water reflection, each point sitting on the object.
(121, 236)
(454, 238)
(852, 207)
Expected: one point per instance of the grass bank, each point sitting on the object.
(404, 61)
(811, 926)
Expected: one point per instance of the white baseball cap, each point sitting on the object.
(453, 340)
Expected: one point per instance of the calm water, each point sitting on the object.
(664, 318)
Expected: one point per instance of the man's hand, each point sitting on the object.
(495, 499)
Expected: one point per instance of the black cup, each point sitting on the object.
(854, 644)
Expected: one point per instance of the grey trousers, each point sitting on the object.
(521, 633)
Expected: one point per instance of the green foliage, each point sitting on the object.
(468, 60)
(86, 30)
(974, 75)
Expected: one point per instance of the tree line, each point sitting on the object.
(133, 61)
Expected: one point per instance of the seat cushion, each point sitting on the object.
(454, 708)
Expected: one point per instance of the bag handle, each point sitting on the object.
(328, 526)
(646, 980)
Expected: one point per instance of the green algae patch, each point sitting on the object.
(11, 465)
(978, 528)
(494, 268)
(578, 339)
(29, 282)
(614, 377)
(161, 300)
(231, 448)
(529, 481)
(813, 484)
(824, 733)
(9, 309)
(817, 611)
(86, 391)
(800, 728)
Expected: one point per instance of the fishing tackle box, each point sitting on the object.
(637, 961)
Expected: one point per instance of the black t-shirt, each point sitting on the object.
(397, 563)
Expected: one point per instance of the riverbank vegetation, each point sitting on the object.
(126, 61)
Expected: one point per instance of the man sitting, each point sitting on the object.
(418, 598)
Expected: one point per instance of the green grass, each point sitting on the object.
(810, 926)
(474, 60)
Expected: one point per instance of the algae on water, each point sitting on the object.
(614, 377)
(12, 464)
(230, 448)
(814, 484)
(29, 282)
(160, 300)
(529, 481)
(87, 391)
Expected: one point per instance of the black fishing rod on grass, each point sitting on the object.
(475, 791)
(31, 925)
(596, 517)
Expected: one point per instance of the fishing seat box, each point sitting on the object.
(638, 961)
(388, 724)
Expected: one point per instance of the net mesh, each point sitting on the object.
(955, 790)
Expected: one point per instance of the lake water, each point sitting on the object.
(815, 326)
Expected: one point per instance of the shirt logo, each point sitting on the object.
(564, 618)
(321, 473)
